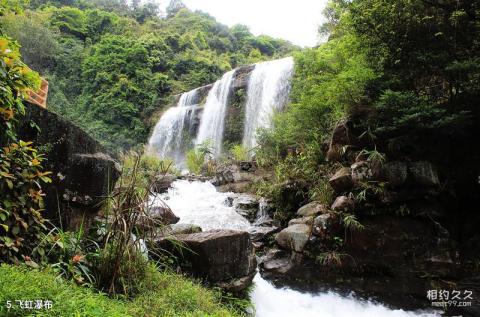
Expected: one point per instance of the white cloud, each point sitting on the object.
(293, 20)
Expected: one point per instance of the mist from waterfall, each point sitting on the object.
(267, 92)
(212, 122)
(168, 138)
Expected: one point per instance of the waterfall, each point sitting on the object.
(169, 136)
(267, 92)
(213, 117)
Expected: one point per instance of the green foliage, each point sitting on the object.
(162, 294)
(239, 153)
(328, 82)
(21, 173)
(70, 255)
(198, 157)
(110, 65)
(67, 299)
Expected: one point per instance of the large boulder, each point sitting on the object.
(312, 209)
(303, 220)
(395, 173)
(361, 172)
(343, 203)
(218, 256)
(294, 237)
(327, 225)
(341, 137)
(341, 181)
(83, 173)
(226, 174)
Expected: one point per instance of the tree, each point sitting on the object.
(174, 6)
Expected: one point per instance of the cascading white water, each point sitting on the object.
(283, 302)
(168, 138)
(213, 118)
(267, 92)
(201, 204)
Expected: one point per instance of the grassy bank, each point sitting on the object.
(162, 294)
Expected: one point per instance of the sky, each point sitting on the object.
(294, 20)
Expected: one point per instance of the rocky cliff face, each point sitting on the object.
(83, 173)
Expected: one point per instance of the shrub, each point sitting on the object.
(239, 153)
(21, 173)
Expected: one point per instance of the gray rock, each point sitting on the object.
(237, 284)
(312, 209)
(247, 206)
(83, 172)
(341, 181)
(396, 173)
(258, 234)
(341, 136)
(294, 237)
(423, 174)
(361, 172)
(184, 228)
(163, 182)
(327, 225)
(225, 175)
(303, 220)
(343, 203)
(164, 215)
(217, 255)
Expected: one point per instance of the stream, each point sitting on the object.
(201, 204)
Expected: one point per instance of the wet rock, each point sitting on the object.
(294, 237)
(247, 206)
(423, 174)
(327, 225)
(241, 77)
(237, 284)
(184, 228)
(396, 173)
(304, 220)
(226, 174)
(164, 215)
(217, 255)
(341, 181)
(258, 234)
(343, 203)
(247, 166)
(276, 262)
(361, 172)
(312, 209)
(162, 183)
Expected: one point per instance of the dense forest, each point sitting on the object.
(111, 65)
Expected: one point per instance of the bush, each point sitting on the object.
(21, 173)
(239, 153)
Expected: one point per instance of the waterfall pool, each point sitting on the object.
(201, 204)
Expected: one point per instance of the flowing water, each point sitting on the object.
(267, 93)
(201, 204)
(169, 139)
(212, 123)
